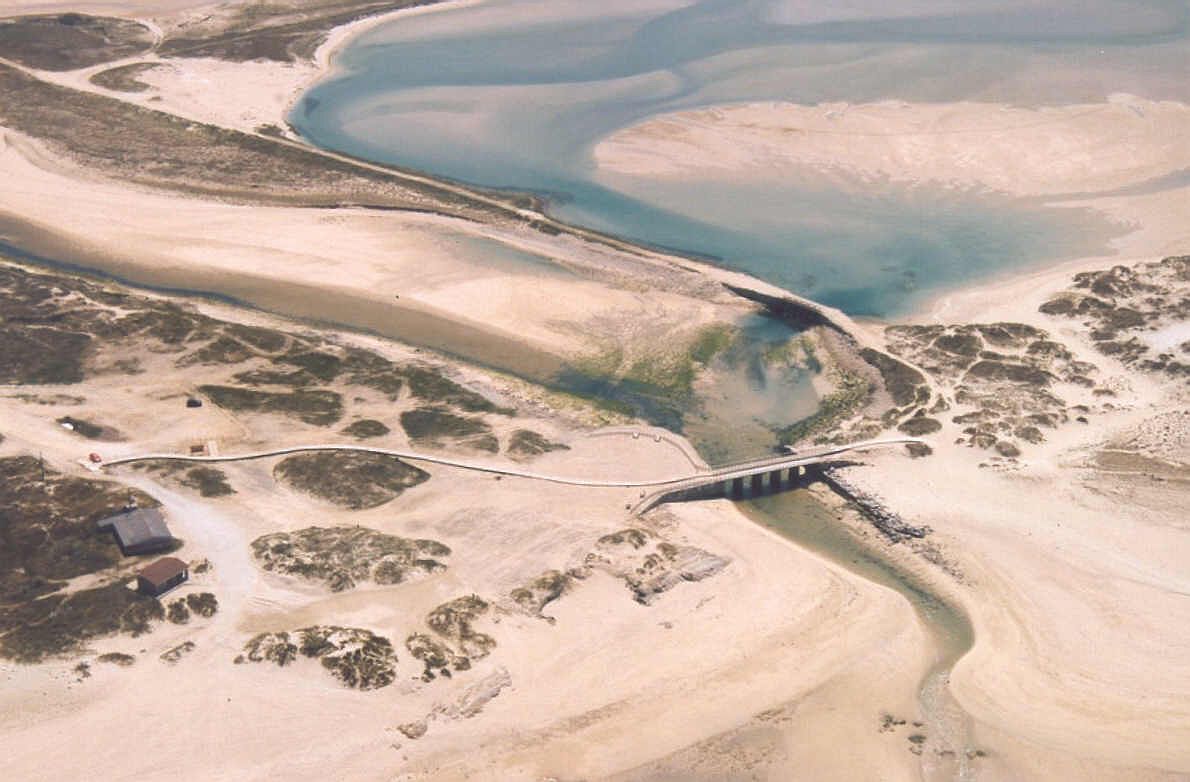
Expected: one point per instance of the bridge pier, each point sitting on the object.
(760, 484)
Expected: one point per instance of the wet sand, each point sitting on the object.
(816, 522)
(315, 303)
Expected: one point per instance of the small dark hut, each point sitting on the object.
(161, 576)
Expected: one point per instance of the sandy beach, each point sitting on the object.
(759, 655)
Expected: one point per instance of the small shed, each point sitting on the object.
(161, 576)
(193, 402)
(139, 530)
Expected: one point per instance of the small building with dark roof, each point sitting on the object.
(139, 530)
(161, 576)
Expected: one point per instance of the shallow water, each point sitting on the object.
(748, 391)
(799, 517)
(515, 94)
(491, 255)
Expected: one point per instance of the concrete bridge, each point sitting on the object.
(758, 476)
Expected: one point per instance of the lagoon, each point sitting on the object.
(516, 94)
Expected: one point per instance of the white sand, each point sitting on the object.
(1046, 151)
(1079, 606)
(1077, 580)
(244, 96)
(403, 261)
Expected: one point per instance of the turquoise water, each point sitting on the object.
(516, 93)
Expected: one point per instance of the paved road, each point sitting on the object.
(724, 473)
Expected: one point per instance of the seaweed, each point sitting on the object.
(455, 620)
(900, 379)
(431, 424)
(203, 604)
(525, 442)
(208, 481)
(65, 42)
(359, 658)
